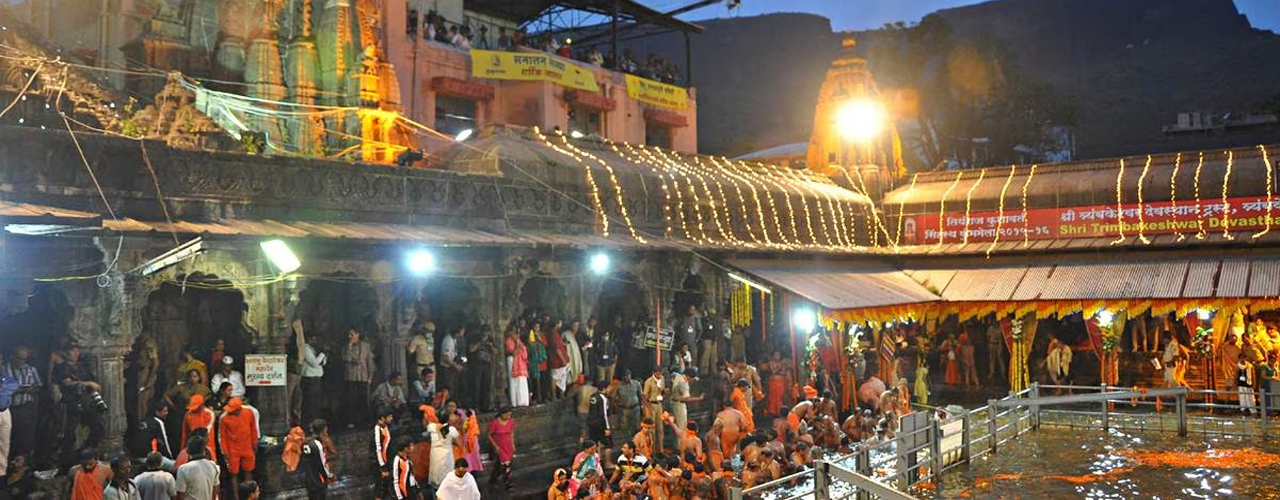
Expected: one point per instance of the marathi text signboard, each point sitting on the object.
(657, 93)
(264, 370)
(1096, 221)
(652, 337)
(528, 66)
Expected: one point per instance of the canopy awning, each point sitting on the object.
(840, 285)
(1180, 278)
(26, 218)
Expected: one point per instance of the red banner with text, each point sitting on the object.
(1096, 221)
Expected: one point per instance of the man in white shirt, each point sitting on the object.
(155, 483)
(229, 375)
(313, 362)
(450, 365)
(460, 485)
(197, 479)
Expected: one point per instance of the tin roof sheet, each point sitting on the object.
(840, 285)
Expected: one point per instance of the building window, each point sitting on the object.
(454, 114)
(657, 134)
(586, 120)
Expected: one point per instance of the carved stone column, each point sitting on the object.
(273, 402)
(109, 367)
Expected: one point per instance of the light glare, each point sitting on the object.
(860, 120)
(281, 256)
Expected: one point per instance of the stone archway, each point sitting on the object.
(328, 306)
(623, 307)
(542, 295)
(43, 324)
(452, 303)
(196, 310)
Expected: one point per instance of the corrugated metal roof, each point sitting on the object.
(27, 213)
(1085, 280)
(1201, 276)
(1233, 280)
(1264, 280)
(439, 235)
(840, 285)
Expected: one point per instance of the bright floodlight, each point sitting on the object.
(804, 320)
(1105, 317)
(281, 256)
(599, 263)
(420, 262)
(464, 135)
(1204, 314)
(576, 134)
(860, 120)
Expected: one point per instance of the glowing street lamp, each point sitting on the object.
(805, 321)
(599, 263)
(860, 119)
(420, 262)
(281, 256)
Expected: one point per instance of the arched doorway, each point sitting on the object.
(328, 307)
(623, 307)
(196, 310)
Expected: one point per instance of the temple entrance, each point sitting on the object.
(453, 303)
(197, 310)
(541, 295)
(623, 307)
(328, 307)
(41, 320)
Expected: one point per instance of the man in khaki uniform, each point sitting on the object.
(422, 348)
(652, 393)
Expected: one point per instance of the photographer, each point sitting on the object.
(81, 399)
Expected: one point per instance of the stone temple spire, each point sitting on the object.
(867, 163)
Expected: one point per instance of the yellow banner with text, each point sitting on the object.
(657, 93)
(527, 66)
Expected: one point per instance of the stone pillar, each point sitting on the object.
(109, 367)
(273, 402)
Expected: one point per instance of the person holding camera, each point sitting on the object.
(81, 400)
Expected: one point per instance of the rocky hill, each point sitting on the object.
(1130, 66)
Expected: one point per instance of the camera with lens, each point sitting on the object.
(95, 398)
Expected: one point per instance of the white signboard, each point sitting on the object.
(264, 370)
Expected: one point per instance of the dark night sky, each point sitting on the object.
(863, 14)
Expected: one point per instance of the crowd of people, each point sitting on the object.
(434, 27)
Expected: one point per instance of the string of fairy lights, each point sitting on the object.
(1266, 163)
(1142, 218)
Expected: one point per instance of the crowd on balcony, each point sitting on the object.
(434, 27)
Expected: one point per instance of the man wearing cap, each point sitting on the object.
(238, 435)
(229, 374)
(198, 416)
(422, 347)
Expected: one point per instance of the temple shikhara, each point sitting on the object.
(261, 179)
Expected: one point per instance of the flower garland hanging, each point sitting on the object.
(1203, 341)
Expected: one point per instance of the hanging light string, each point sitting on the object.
(878, 225)
(835, 235)
(1119, 208)
(1026, 225)
(759, 211)
(1200, 233)
(1142, 220)
(942, 210)
(902, 203)
(719, 207)
(753, 239)
(613, 179)
(1000, 214)
(658, 156)
(1266, 163)
(1173, 195)
(594, 190)
(786, 197)
(754, 178)
(968, 202)
(666, 193)
(829, 191)
(1226, 205)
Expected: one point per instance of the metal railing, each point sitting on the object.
(891, 468)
